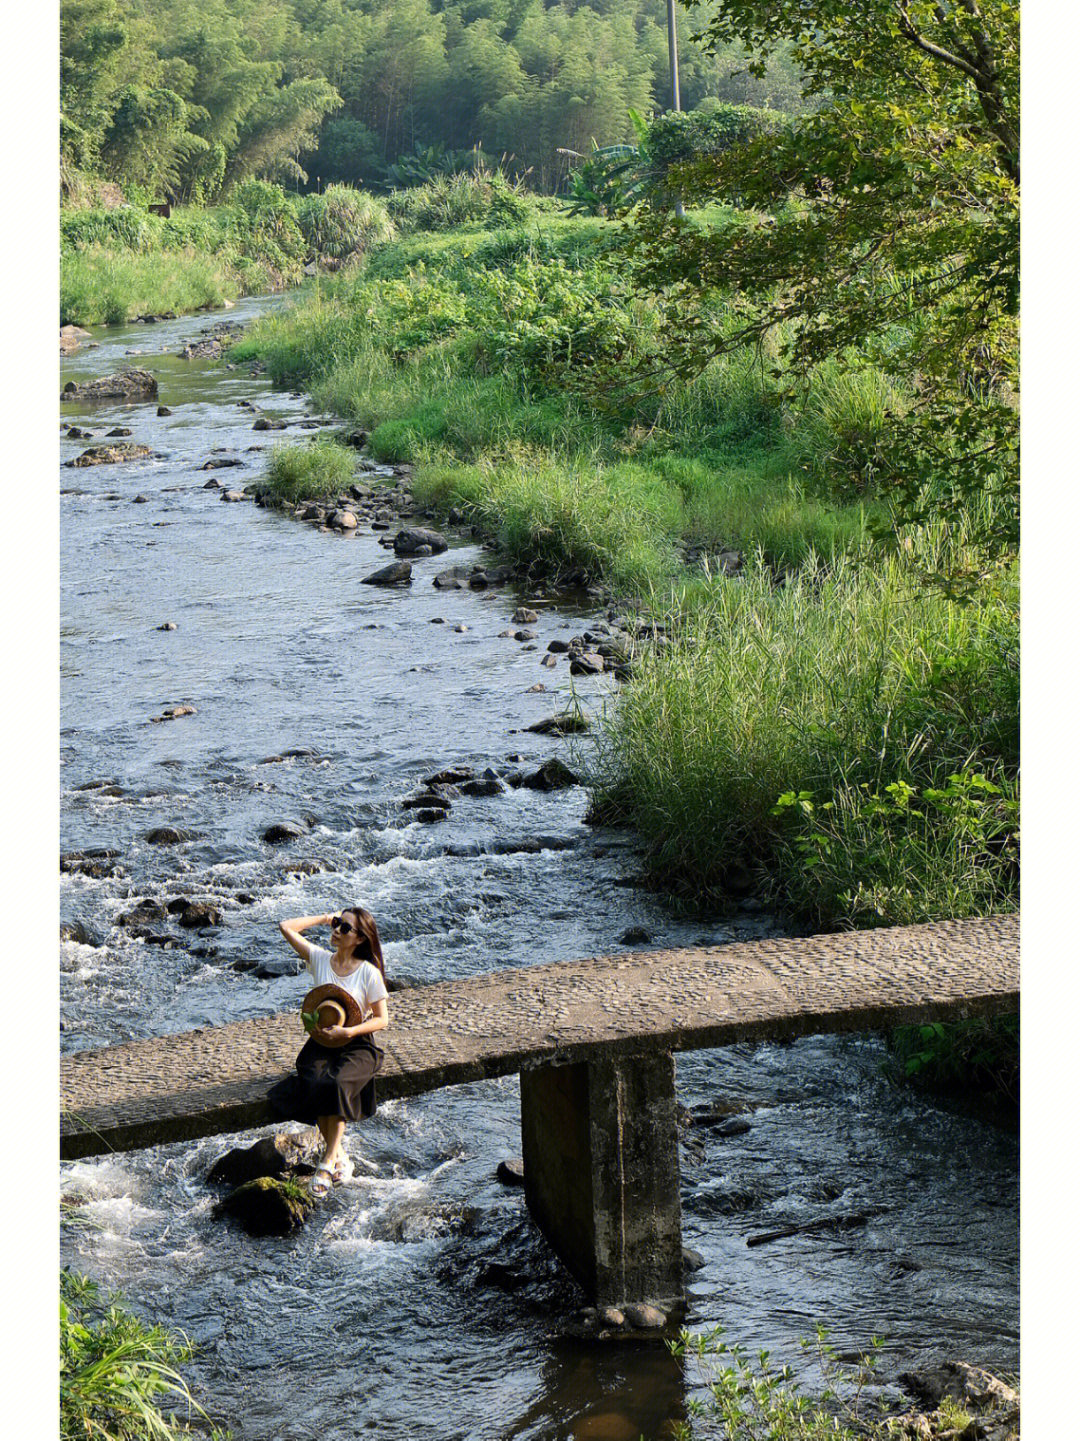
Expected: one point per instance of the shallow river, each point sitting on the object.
(376, 1316)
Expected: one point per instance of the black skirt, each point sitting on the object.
(329, 1081)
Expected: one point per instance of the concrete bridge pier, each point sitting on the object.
(600, 1148)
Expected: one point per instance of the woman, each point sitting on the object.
(335, 1084)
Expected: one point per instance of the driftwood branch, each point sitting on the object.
(823, 1223)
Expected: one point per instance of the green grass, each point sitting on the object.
(827, 728)
(101, 286)
(116, 1372)
(805, 738)
(309, 472)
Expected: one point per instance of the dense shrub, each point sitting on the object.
(680, 135)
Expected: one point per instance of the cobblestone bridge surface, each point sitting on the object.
(215, 1079)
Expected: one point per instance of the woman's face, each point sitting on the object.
(346, 932)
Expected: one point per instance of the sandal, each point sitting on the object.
(343, 1171)
(322, 1180)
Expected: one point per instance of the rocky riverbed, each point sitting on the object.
(249, 731)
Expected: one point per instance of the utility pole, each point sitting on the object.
(673, 63)
(673, 55)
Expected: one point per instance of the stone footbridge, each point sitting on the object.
(593, 1041)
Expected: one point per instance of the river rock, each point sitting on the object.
(501, 1276)
(612, 1316)
(117, 432)
(635, 936)
(410, 540)
(558, 647)
(565, 723)
(415, 803)
(524, 616)
(355, 438)
(269, 1156)
(490, 786)
(81, 934)
(342, 520)
(645, 1318)
(549, 661)
(142, 914)
(267, 1206)
(452, 776)
(98, 864)
(74, 433)
(141, 500)
(219, 462)
(282, 831)
(278, 966)
(692, 1260)
(398, 573)
(163, 410)
(233, 496)
(587, 662)
(553, 775)
(511, 1173)
(266, 422)
(110, 455)
(971, 1387)
(71, 338)
(456, 578)
(168, 836)
(174, 712)
(167, 625)
(524, 635)
(124, 385)
(429, 815)
(199, 915)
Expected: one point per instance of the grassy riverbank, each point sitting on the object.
(123, 262)
(824, 728)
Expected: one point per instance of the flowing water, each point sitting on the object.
(380, 1315)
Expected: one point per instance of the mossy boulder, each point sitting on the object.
(267, 1206)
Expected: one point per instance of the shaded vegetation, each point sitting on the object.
(116, 1373)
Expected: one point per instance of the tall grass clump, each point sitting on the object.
(843, 430)
(563, 518)
(343, 223)
(846, 740)
(468, 198)
(101, 286)
(116, 1372)
(309, 472)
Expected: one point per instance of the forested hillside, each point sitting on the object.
(185, 98)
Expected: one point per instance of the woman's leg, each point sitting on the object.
(333, 1129)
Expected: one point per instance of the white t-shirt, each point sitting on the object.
(365, 984)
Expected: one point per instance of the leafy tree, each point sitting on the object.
(148, 141)
(891, 233)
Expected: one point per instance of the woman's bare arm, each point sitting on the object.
(291, 930)
(377, 1021)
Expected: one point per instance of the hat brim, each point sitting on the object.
(350, 1005)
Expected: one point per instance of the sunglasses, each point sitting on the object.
(340, 924)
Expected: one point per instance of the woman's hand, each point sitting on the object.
(334, 1033)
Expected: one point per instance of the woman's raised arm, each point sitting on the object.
(291, 930)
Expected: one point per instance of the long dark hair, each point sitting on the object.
(367, 942)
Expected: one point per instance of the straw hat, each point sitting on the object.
(335, 1007)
